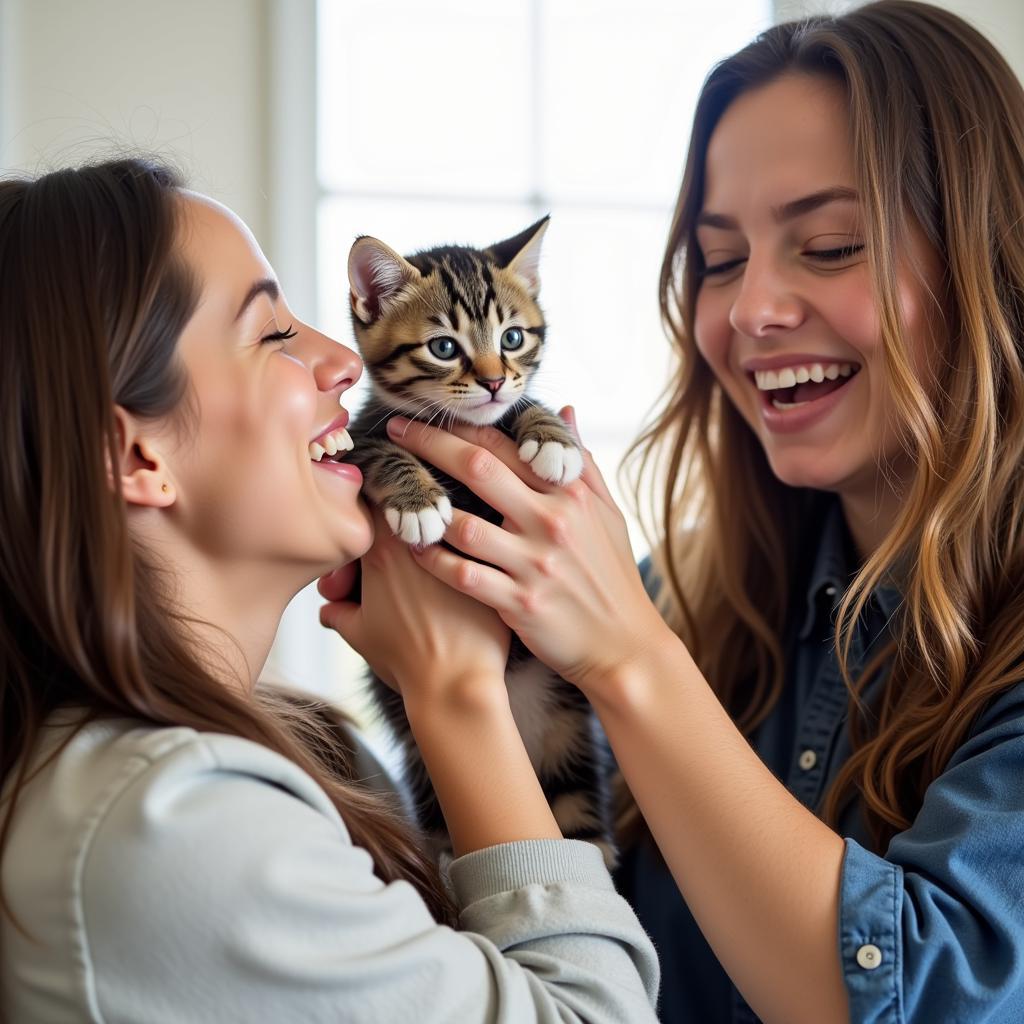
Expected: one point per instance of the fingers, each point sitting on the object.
(337, 585)
(489, 466)
(486, 584)
(345, 618)
(591, 475)
(480, 539)
(505, 448)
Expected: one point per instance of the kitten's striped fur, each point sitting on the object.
(405, 312)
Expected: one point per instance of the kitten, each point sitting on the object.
(456, 334)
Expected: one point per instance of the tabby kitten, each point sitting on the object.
(456, 334)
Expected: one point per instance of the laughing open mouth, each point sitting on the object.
(794, 386)
(334, 445)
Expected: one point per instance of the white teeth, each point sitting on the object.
(772, 380)
(331, 444)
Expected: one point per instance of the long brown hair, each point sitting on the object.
(937, 128)
(93, 299)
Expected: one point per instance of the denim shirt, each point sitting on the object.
(931, 930)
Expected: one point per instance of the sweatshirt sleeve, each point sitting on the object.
(934, 930)
(219, 884)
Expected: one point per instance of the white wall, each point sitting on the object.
(1001, 20)
(183, 78)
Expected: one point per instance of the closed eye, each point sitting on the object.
(843, 253)
(280, 335)
(723, 267)
(825, 255)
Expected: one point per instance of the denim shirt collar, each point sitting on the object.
(832, 572)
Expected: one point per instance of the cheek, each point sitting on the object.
(851, 311)
(925, 330)
(713, 335)
(277, 407)
(711, 328)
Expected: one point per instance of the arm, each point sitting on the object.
(219, 883)
(760, 872)
(446, 654)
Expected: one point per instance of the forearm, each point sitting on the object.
(759, 872)
(479, 768)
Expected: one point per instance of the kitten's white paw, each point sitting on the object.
(552, 461)
(426, 526)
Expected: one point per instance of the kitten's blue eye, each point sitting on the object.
(443, 348)
(512, 339)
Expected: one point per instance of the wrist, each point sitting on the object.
(627, 683)
(473, 695)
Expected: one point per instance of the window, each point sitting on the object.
(464, 122)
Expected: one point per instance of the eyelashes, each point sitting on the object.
(843, 253)
(825, 255)
(280, 335)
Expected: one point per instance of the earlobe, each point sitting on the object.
(143, 473)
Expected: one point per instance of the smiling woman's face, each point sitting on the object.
(247, 491)
(786, 316)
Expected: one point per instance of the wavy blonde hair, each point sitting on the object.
(937, 123)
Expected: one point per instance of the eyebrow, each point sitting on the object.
(788, 211)
(266, 286)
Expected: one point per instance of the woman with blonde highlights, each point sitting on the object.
(826, 741)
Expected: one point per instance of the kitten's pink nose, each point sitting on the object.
(493, 384)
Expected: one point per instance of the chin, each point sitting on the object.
(483, 415)
(355, 537)
(798, 473)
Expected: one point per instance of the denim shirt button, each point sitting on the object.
(869, 957)
(808, 759)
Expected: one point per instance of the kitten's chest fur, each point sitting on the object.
(371, 422)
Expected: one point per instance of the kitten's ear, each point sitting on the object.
(376, 274)
(521, 254)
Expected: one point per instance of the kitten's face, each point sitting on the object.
(451, 333)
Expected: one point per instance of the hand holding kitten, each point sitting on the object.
(422, 657)
(561, 572)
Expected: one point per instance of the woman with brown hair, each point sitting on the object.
(825, 734)
(178, 843)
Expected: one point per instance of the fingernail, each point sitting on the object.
(397, 423)
(570, 418)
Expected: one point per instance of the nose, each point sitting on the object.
(334, 366)
(768, 301)
(492, 384)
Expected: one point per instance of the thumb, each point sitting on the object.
(338, 584)
(591, 474)
(568, 415)
(346, 619)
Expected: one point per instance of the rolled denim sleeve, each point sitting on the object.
(934, 930)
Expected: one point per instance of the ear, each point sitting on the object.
(521, 254)
(145, 480)
(376, 274)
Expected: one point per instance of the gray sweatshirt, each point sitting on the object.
(168, 875)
